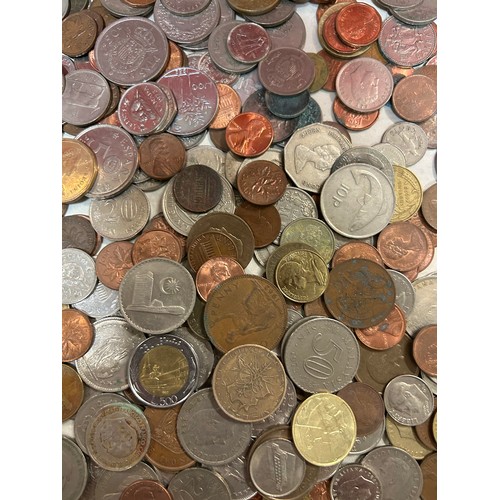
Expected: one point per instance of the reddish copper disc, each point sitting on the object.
(357, 250)
(353, 120)
(249, 134)
(425, 349)
(156, 244)
(158, 222)
(358, 24)
(145, 489)
(333, 64)
(215, 271)
(332, 38)
(77, 334)
(420, 222)
(261, 182)
(429, 255)
(229, 106)
(414, 98)
(177, 59)
(386, 334)
(264, 221)
(113, 262)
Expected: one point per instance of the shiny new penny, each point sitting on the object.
(245, 309)
(156, 244)
(386, 334)
(353, 120)
(229, 106)
(429, 205)
(264, 222)
(79, 33)
(358, 24)
(72, 391)
(261, 182)
(208, 245)
(425, 349)
(112, 263)
(215, 271)
(327, 28)
(248, 43)
(357, 250)
(249, 383)
(145, 488)
(77, 334)
(402, 246)
(414, 98)
(249, 134)
(197, 188)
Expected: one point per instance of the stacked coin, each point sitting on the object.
(250, 313)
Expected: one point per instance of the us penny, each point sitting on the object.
(249, 134)
(112, 263)
(156, 244)
(77, 334)
(214, 271)
(72, 391)
(261, 182)
(229, 107)
(208, 245)
(145, 488)
(264, 222)
(425, 349)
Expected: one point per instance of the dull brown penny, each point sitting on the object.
(146, 489)
(425, 349)
(77, 232)
(218, 137)
(317, 307)
(424, 430)
(357, 250)
(249, 134)
(113, 262)
(229, 106)
(197, 188)
(264, 222)
(402, 246)
(156, 244)
(261, 182)
(79, 33)
(429, 473)
(419, 220)
(414, 98)
(72, 391)
(429, 206)
(208, 245)
(385, 334)
(245, 309)
(215, 271)
(77, 334)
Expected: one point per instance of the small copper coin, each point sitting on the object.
(419, 220)
(178, 57)
(331, 37)
(402, 246)
(208, 245)
(357, 250)
(229, 106)
(218, 137)
(249, 134)
(386, 334)
(248, 42)
(72, 391)
(415, 98)
(161, 156)
(145, 489)
(264, 221)
(215, 271)
(197, 188)
(156, 244)
(113, 262)
(358, 24)
(77, 232)
(261, 182)
(79, 33)
(429, 206)
(425, 349)
(424, 430)
(353, 120)
(77, 334)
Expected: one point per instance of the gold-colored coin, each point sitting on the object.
(324, 429)
(253, 7)
(72, 391)
(409, 194)
(163, 371)
(302, 276)
(405, 437)
(79, 169)
(435, 427)
(249, 383)
(320, 72)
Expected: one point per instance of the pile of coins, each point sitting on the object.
(249, 285)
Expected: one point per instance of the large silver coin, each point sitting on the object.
(425, 309)
(189, 483)
(157, 295)
(74, 470)
(79, 277)
(102, 302)
(238, 478)
(355, 481)
(357, 200)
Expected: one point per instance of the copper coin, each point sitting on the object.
(425, 349)
(79, 34)
(245, 309)
(419, 220)
(367, 406)
(333, 64)
(360, 293)
(218, 137)
(357, 250)
(261, 182)
(415, 98)
(424, 430)
(429, 256)
(197, 188)
(215, 271)
(72, 391)
(97, 17)
(158, 222)
(208, 245)
(178, 57)
(249, 134)
(113, 262)
(385, 334)
(106, 15)
(145, 489)
(248, 42)
(402, 246)
(77, 334)
(353, 120)
(332, 38)
(161, 156)
(317, 307)
(77, 232)
(229, 106)
(429, 70)
(429, 206)
(429, 467)
(358, 24)
(264, 222)
(156, 244)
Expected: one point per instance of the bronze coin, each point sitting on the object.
(146, 489)
(72, 391)
(249, 134)
(429, 206)
(77, 334)
(177, 58)
(197, 188)
(360, 293)
(156, 244)
(79, 33)
(425, 349)
(229, 106)
(429, 472)
(215, 271)
(419, 220)
(357, 250)
(218, 137)
(424, 431)
(77, 232)
(208, 245)
(333, 64)
(353, 120)
(367, 406)
(414, 98)
(331, 36)
(113, 262)
(317, 308)
(264, 222)
(159, 223)
(161, 156)
(245, 309)
(429, 256)
(358, 24)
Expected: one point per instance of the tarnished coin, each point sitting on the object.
(425, 309)
(78, 275)
(249, 383)
(353, 480)
(208, 245)
(425, 349)
(79, 33)
(163, 371)
(363, 444)
(415, 98)
(112, 263)
(410, 138)
(429, 472)
(74, 470)
(245, 309)
(324, 429)
(429, 205)
(357, 250)
(72, 391)
(214, 271)
(188, 484)
(77, 334)
(156, 244)
(405, 437)
(145, 488)
(157, 295)
(118, 436)
(289, 106)
(263, 220)
(77, 232)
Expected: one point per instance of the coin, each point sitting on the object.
(79, 33)
(74, 470)
(408, 192)
(353, 120)
(182, 8)
(248, 43)
(429, 206)
(357, 250)
(405, 437)
(112, 263)
(229, 107)
(156, 244)
(425, 349)
(410, 138)
(429, 472)
(188, 483)
(352, 479)
(249, 134)
(72, 391)
(425, 309)
(144, 488)
(291, 33)
(214, 271)
(162, 155)
(77, 334)
(208, 245)
(78, 275)
(358, 24)
(415, 98)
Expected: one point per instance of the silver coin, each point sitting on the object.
(289, 331)
(198, 482)
(357, 200)
(276, 468)
(310, 154)
(153, 384)
(122, 9)
(231, 167)
(207, 434)
(291, 33)
(279, 15)
(157, 295)
(405, 293)
(87, 411)
(363, 444)
(206, 65)
(392, 153)
(321, 354)
(262, 254)
(355, 481)
(425, 309)
(398, 472)
(94, 471)
(237, 477)
(431, 383)
(341, 240)
(102, 302)
(79, 277)
(410, 138)
(192, 140)
(74, 470)
(293, 316)
(104, 366)
(150, 185)
(420, 15)
(408, 400)
(247, 84)
(122, 217)
(207, 155)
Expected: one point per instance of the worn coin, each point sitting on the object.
(364, 444)
(353, 480)
(156, 244)
(79, 34)
(405, 437)
(77, 232)
(356, 250)
(77, 334)
(429, 472)
(248, 42)
(261, 182)
(425, 349)
(145, 488)
(74, 470)
(78, 275)
(410, 138)
(72, 391)
(190, 482)
(415, 98)
(238, 479)
(290, 106)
